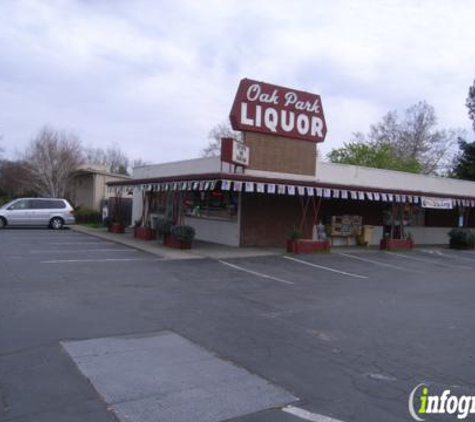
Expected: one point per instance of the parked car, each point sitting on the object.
(51, 212)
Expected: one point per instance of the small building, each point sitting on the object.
(259, 191)
(260, 208)
(89, 185)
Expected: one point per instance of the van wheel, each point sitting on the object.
(3, 222)
(56, 223)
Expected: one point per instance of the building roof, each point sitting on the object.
(99, 169)
(328, 176)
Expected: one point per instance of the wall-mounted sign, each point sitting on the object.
(436, 203)
(234, 152)
(271, 109)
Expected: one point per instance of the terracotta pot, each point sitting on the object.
(175, 243)
(117, 228)
(145, 233)
(387, 244)
(307, 246)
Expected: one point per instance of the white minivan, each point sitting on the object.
(51, 212)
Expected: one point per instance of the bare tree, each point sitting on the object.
(51, 158)
(415, 137)
(222, 130)
(14, 178)
(470, 103)
(113, 158)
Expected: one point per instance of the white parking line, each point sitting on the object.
(82, 250)
(333, 270)
(237, 267)
(308, 416)
(430, 261)
(440, 253)
(98, 242)
(382, 264)
(73, 261)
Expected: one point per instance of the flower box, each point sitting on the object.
(145, 233)
(172, 242)
(388, 244)
(117, 228)
(307, 246)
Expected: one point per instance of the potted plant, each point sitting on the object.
(387, 243)
(163, 227)
(298, 245)
(295, 235)
(117, 227)
(144, 231)
(461, 239)
(181, 237)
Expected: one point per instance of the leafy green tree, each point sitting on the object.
(464, 165)
(408, 143)
(376, 155)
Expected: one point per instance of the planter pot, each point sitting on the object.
(145, 233)
(387, 244)
(117, 228)
(307, 246)
(171, 242)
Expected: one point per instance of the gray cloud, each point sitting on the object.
(155, 77)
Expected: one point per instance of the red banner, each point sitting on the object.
(271, 109)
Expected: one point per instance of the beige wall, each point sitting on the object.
(83, 186)
(90, 189)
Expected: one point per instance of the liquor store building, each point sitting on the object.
(269, 185)
(261, 208)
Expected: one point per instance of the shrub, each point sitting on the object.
(87, 215)
(183, 233)
(295, 233)
(163, 226)
(462, 239)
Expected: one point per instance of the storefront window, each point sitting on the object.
(212, 204)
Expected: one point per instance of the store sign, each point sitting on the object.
(271, 109)
(436, 203)
(234, 152)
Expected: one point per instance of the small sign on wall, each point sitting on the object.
(234, 152)
(436, 203)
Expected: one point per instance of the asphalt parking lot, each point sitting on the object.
(348, 334)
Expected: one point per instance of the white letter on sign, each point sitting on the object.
(287, 126)
(317, 126)
(244, 119)
(253, 92)
(270, 119)
(303, 124)
(290, 98)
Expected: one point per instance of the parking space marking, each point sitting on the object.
(430, 261)
(382, 264)
(440, 253)
(98, 242)
(74, 261)
(308, 416)
(82, 250)
(333, 270)
(237, 267)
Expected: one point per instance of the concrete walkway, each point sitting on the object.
(200, 249)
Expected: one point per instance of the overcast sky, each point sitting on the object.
(155, 76)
